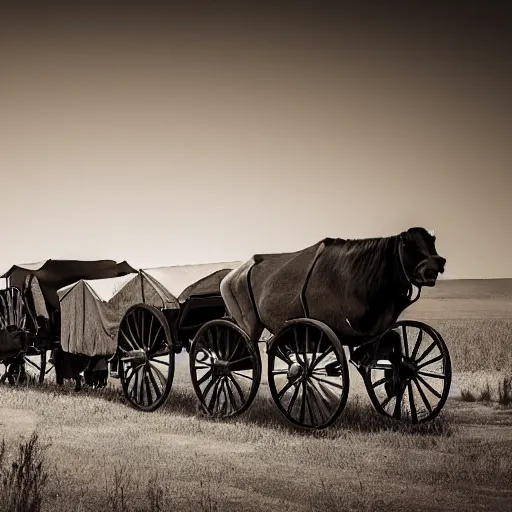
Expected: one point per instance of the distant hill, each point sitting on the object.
(470, 289)
(464, 299)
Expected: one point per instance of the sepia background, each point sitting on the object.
(168, 136)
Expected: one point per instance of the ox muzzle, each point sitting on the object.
(428, 270)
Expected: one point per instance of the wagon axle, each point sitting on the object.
(137, 357)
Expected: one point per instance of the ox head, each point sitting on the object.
(421, 262)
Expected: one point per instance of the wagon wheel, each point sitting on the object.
(412, 385)
(146, 357)
(12, 310)
(15, 373)
(225, 367)
(308, 373)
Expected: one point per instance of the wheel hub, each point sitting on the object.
(407, 370)
(221, 368)
(295, 371)
(136, 357)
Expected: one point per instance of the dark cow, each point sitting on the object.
(357, 287)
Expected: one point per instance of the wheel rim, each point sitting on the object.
(308, 375)
(16, 374)
(146, 357)
(225, 368)
(421, 384)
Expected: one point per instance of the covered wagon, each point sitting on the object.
(138, 322)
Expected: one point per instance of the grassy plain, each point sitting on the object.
(103, 455)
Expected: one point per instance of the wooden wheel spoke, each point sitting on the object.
(318, 345)
(319, 406)
(133, 338)
(231, 395)
(323, 356)
(427, 352)
(281, 355)
(432, 375)
(161, 377)
(320, 392)
(148, 387)
(296, 339)
(308, 346)
(380, 382)
(302, 413)
(239, 339)
(429, 387)
(238, 374)
(211, 342)
(406, 341)
(238, 389)
(386, 401)
(133, 392)
(136, 325)
(214, 396)
(135, 370)
(141, 385)
(155, 385)
(31, 363)
(152, 360)
(150, 330)
(131, 343)
(154, 345)
(438, 358)
(246, 358)
(228, 345)
(423, 397)
(162, 351)
(285, 388)
(312, 417)
(218, 345)
(205, 377)
(293, 399)
(412, 405)
(207, 388)
(417, 345)
(333, 384)
(226, 405)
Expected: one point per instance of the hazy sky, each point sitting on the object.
(166, 137)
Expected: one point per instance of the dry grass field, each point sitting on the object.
(96, 453)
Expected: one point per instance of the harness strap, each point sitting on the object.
(303, 301)
(251, 292)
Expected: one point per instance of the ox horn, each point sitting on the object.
(432, 232)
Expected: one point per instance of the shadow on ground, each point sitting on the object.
(356, 417)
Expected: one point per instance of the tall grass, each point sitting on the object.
(24, 479)
(477, 344)
(505, 392)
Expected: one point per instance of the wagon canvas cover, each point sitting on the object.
(91, 310)
(55, 274)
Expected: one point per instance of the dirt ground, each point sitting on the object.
(258, 462)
